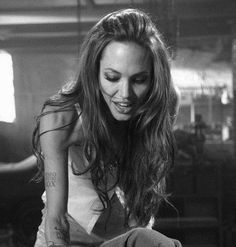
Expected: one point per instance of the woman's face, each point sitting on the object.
(124, 77)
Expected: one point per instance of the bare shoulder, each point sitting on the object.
(63, 125)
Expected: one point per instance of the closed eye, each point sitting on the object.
(111, 78)
(140, 80)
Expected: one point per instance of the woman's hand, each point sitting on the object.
(57, 231)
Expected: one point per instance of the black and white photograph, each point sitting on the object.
(117, 123)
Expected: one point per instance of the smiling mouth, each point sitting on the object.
(122, 107)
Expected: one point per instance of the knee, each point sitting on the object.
(140, 231)
(145, 232)
(151, 237)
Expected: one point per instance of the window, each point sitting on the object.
(7, 100)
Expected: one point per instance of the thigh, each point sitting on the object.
(140, 237)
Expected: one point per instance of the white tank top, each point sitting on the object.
(84, 204)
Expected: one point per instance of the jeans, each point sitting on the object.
(137, 237)
(141, 237)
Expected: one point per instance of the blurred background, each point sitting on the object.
(39, 42)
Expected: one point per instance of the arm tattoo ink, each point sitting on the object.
(62, 234)
(50, 179)
(52, 244)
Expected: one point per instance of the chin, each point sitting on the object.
(122, 117)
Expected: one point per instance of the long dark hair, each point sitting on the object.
(148, 151)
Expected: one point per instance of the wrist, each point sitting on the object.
(52, 244)
(58, 245)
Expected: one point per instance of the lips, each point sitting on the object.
(123, 107)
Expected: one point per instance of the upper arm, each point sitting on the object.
(56, 135)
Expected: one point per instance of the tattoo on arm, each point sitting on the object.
(62, 234)
(52, 244)
(50, 179)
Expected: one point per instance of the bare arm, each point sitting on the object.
(55, 145)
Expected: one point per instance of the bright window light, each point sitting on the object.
(7, 99)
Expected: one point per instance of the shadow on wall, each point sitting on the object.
(14, 143)
(38, 74)
(20, 201)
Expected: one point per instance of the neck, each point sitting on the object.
(118, 128)
(118, 131)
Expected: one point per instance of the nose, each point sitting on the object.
(125, 89)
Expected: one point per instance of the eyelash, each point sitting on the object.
(112, 79)
(140, 81)
(137, 81)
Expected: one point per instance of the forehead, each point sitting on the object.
(125, 56)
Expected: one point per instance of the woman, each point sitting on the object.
(114, 128)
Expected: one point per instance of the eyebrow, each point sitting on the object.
(136, 74)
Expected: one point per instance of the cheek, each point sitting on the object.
(106, 88)
(141, 90)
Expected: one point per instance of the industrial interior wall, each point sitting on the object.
(37, 75)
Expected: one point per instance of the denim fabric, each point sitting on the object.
(137, 237)
(142, 237)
